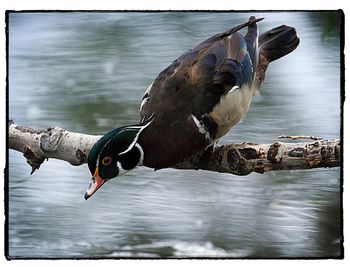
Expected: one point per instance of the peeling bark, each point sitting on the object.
(54, 142)
(242, 159)
(239, 159)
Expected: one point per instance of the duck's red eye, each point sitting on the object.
(107, 160)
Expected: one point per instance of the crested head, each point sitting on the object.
(114, 154)
(118, 146)
(96, 149)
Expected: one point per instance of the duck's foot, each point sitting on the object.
(202, 159)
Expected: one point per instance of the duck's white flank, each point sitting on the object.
(232, 108)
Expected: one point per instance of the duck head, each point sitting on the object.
(114, 154)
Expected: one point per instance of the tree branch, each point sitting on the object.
(242, 159)
(54, 142)
(239, 159)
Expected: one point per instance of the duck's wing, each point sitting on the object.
(195, 82)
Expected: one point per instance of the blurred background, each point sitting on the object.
(87, 72)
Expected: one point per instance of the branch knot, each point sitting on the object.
(237, 163)
(50, 140)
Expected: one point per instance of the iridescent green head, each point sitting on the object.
(114, 154)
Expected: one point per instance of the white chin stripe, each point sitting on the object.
(120, 168)
(121, 171)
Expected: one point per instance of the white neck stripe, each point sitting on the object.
(137, 145)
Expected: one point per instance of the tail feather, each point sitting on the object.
(252, 41)
(251, 22)
(278, 42)
(273, 45)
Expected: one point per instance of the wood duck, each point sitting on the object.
(193, 102)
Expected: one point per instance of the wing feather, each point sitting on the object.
(203, 74)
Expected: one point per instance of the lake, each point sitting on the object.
(87, 72)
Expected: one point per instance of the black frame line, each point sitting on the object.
(342, 99)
